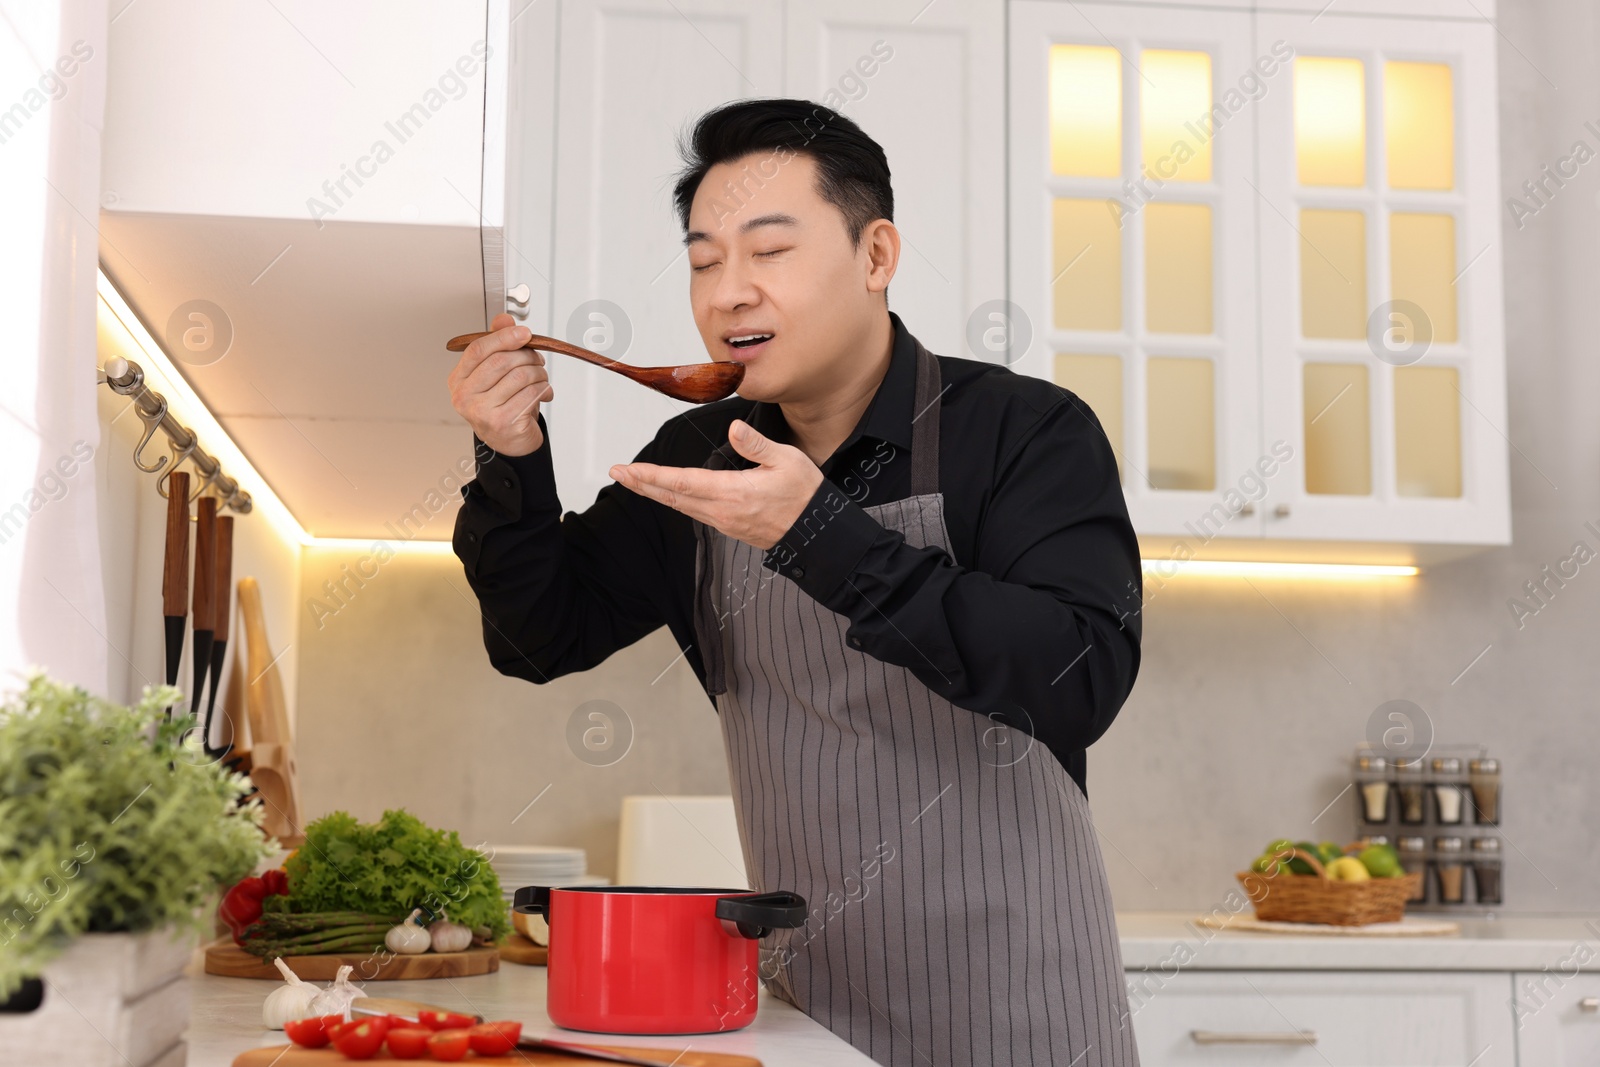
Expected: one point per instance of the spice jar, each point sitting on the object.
(1413, 792)
(1449, 798)
(1413, 857)
(1448, 871)
(1372, 781)
(1484, 775)
(1486, 884)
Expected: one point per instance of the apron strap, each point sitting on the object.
(925, 425)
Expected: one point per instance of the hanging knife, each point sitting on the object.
(222, 582)
(175, 572)
(205, 562)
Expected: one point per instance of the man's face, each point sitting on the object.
(775, 281)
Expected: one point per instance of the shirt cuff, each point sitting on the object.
(506, 489)
(823, 547)
(515, 484)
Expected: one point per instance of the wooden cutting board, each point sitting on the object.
(272, 765)
(229, 960)
(518, 949)
(291, 1056)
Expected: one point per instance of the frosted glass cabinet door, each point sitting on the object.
(1133, 248)
(1382, 347)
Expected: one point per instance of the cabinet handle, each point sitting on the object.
(1589, 1004)
(1281, 511)
(1248, 509)
(518, 294)
(1258, 1037)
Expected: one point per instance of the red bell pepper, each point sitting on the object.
(241, 905)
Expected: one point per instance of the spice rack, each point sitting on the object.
(1441, 811)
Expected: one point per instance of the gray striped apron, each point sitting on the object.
(959, 911)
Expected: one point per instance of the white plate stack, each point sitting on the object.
(548, 865)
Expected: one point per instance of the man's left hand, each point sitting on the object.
(757, 506)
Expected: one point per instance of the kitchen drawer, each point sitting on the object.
(1405, 1019)
(1558, 1016)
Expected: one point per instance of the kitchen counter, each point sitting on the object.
(1167, 940)
(225, 1019)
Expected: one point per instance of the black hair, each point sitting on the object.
(852, 171)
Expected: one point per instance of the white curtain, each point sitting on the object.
(52, 99)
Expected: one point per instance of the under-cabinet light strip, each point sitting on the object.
(1171, 568)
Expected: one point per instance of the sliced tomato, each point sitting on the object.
(496, 1038)
(445, 1020)
(449, 1045)
(360, 1039)
(408, 1042)
(313, 1032)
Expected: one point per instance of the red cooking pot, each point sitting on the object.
(631, 960)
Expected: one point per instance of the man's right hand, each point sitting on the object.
(498, 386)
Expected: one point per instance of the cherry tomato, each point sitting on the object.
(313, 1032)
(445, 1020)
(337, 1027)
(361, 1039)
(408, 1042)
(449, 1045)
(495, 1039)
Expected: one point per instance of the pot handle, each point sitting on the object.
(759, 914)
(532, 900)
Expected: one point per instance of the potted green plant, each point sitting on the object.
(116, 833)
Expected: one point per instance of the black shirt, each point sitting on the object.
(1035, 623)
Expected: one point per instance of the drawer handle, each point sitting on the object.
(1258, 1037)
(1589, 1004)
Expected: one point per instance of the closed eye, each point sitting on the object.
(774, 252)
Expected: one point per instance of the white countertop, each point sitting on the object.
(225, 1019)
(1155, 940)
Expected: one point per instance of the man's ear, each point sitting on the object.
(881, 242)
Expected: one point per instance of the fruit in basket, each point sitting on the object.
(1300, 866)
(1328, 851)
(1267, 864)
(1348, 869)
(1381, 861)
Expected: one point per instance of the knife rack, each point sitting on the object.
(126, 378)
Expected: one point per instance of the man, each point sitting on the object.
(908, 583)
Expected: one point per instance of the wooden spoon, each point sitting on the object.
(697, 383)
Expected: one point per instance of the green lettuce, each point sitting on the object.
(390, 867)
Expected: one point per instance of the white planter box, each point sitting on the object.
(110, 1000)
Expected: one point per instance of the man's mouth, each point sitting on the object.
(746, 346)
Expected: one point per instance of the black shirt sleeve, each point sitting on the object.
(558, 594)
(1031, 632)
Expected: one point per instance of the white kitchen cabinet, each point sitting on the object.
(519, 130)
(632, 75)
(1558, 1017)
(926, 81)
(1383, 351)
(1237, 296)
(1329, 1018)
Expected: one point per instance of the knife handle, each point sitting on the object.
(175, 568)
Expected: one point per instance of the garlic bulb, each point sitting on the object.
(448, 936)
(335, 1000)
(288, 1002)
(408, 938)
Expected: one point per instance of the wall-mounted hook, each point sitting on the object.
(207, 482)
(152, 422)
(178, 456)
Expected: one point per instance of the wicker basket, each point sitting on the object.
(1299, 898)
